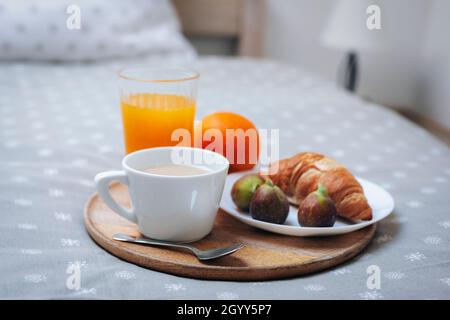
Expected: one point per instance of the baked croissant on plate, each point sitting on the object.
(301, 174)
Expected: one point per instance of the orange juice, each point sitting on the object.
(149, 119)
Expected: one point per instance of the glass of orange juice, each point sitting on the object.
(155, 102)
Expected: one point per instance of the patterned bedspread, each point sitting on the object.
(60, 125)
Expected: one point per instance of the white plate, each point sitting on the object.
(380, 201)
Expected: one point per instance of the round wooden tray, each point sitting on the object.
(265, 255)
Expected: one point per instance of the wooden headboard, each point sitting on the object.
(239, 20)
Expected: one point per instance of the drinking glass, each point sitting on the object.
(155, 102)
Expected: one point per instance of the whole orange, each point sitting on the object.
(233, 136)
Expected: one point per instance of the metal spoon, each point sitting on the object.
(200, 254)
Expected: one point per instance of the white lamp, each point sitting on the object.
(353, 27)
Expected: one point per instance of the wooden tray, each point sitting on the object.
(265, 256)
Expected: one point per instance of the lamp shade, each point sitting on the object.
(347, 27)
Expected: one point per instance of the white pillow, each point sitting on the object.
(48, 30)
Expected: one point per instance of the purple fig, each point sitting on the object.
(317, 209)
(269, 204)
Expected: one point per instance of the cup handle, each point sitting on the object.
(102, 181)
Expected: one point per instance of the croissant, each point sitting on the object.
(301, 174)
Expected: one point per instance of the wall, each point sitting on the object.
(398, 78)
(434, 94)
(293, 28)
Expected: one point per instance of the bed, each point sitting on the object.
(60, 125)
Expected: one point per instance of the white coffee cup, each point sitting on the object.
(172, 208)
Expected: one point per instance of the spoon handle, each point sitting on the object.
(142, 240)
